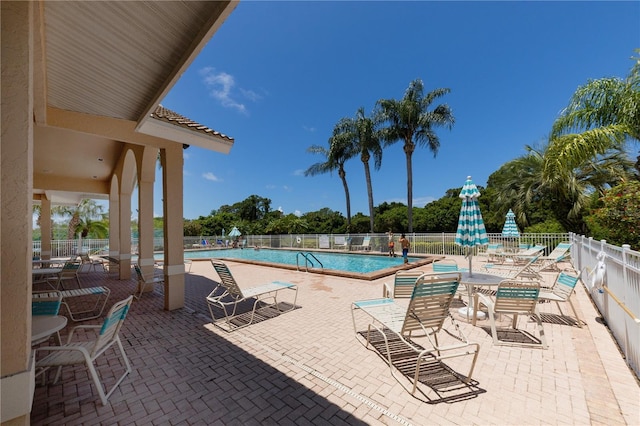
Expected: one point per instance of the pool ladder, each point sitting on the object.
(307, 261)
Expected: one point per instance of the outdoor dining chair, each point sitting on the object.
(514, 297)
(87, 352)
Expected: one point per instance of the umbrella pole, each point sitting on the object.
(469, 254)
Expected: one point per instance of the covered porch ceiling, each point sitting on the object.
(101, 70)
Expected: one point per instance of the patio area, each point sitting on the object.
(306, 366)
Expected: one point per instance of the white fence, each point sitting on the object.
(619, 299)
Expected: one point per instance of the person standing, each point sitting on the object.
(404, 243)
(391, 244)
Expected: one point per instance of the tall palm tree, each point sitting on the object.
(339, 151)
(607, 111)
(365, 139)
(411, 120)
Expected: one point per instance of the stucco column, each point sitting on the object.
(146, 173)
(125, 234)
(45, 227)
(16, 211)
(114, 223)
(172, 163)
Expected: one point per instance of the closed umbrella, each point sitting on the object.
(471, 231)
(510, 228)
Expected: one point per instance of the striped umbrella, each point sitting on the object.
(471, 231)
(510, 228)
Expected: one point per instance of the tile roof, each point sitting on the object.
(164, 114)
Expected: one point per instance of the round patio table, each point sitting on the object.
(472, 280)
(43, 326)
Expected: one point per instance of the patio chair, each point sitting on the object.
(562, 289)
(46, 303)
(227, 296)
(428, 309)
(450, 265)
(87, 352)
(145, 281)
(92, 262)
(514, 297)
(403, 284)
(513, 271)
(69, 272)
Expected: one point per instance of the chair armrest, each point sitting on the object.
(85, 327)
(387, 291)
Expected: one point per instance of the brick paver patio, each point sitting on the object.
(306, 367)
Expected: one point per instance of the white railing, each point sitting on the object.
(619, 300)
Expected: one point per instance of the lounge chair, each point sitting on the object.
(512, 271)
(145, 281)
(86, 352)
(366, 241)
(514, 297)
(403, 284)
(561, 291)
(227, 296)
(492, 253)
(399, 325)
(559, 254)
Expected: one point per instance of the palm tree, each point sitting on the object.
(82, 218)
(411, 121)
(365, 139)
(339, 151)
(521, 185)
(607, 111)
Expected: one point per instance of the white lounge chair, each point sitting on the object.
(428, 309)
(227, 296)
(403, 284)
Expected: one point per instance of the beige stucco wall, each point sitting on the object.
(16, 184)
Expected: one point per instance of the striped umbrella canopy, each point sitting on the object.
(471, 231)
(510, 228)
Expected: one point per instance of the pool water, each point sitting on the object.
(354, 263)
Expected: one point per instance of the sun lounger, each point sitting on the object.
(399, 326)
(227, 296)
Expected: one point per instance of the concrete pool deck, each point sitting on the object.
(306, 367)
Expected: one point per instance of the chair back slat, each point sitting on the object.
(430, 302)
(404, 282)
(445, 265)
(227, 280)
(517, 296)
(564, 285)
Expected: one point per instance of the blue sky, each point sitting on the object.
(277, 76)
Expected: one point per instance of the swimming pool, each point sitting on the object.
(354, 265)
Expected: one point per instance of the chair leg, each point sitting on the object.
(543, 338)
